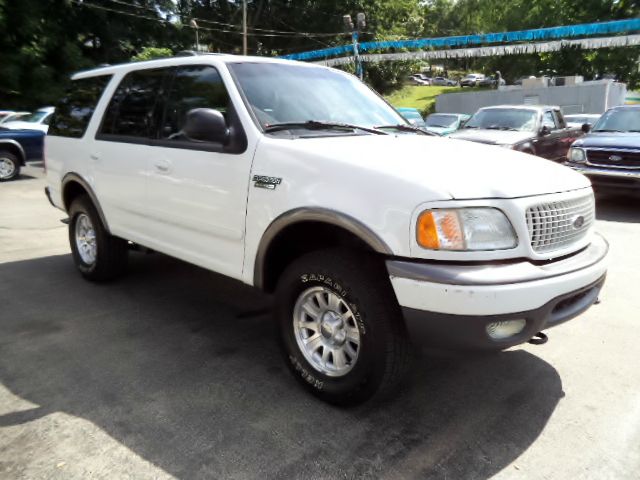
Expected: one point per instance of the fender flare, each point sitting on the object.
(74, 177)
(313, 214)
(13, 143)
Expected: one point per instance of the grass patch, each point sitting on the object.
(421, 97)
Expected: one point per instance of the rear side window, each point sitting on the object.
(197, 86)
(73, 112)
(136, 105)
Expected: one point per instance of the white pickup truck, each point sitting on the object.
(300, 180)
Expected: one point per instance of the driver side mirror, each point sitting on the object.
(586, 128)
(544, 131)
(206, 125)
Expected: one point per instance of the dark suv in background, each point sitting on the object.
(610, 154)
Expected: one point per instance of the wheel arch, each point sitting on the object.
(280, 243)
(74, 185)
(14, 147)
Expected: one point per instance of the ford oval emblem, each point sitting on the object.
(578, 222)
(615, 158)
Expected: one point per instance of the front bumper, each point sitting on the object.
(450, 305)
(614, 178)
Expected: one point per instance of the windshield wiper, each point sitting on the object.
(469, 126)
(318, 125)
(407, 128)
(502, 128)
(605, 130)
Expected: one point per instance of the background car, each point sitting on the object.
(445, 123)
(38, 120)
(471, 80)
(610, 153)
(10, 116)
(17, 147)
(425, 78)
(535, 129)
(577, 120)
(412, 115)
(443, 82)
(491, 81)
(417, 80)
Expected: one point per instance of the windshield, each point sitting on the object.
(279, 93)
(34, 117)
(619, 120)
(444, 121)
(503, 119)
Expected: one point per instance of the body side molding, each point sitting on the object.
(312, 214)
(74, 177)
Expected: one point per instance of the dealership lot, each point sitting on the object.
(174, 372)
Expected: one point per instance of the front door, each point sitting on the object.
(197, 190)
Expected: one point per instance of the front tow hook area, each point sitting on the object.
(538, 339)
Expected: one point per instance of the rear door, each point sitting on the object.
(120, 154)
(197, 190)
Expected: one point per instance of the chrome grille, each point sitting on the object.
(557, 225)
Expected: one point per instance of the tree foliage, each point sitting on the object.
(44, 41)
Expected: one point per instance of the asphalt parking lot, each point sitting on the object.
(174, 372)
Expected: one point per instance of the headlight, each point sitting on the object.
(481, 228)
(576, 155)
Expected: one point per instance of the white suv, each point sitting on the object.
(300, 180)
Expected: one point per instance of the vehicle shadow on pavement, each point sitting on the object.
(618, 208)
(182, 367)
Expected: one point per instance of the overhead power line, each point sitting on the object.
(283, 33)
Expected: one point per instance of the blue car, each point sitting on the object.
(17, 147)
(445, 123)
(412, 115)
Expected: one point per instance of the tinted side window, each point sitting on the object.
(548, 120)
(560, 119)
(73, 112)
(195, 86)
(135, 106)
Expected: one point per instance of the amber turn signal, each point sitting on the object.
(427, 231)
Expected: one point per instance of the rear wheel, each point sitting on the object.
(341, 327)
(98, 255)
(9, 166)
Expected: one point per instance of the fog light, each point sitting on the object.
(506, 329)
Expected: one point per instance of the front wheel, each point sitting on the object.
(9, 166)
(98, 255)
(341, 327)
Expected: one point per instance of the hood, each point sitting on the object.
(440, 167)
(630, 140)
(492, 137)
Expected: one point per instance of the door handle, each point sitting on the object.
(162, 167)
(94, 156)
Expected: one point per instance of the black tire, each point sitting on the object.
(384, 350)
(12, 159)
(111, 252)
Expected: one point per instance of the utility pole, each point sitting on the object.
(355, 36)
(244, 27)
(193, 24)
